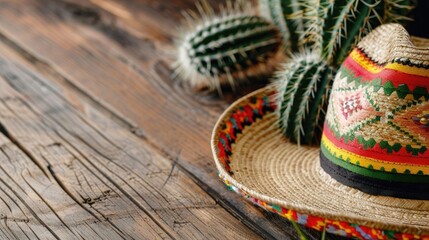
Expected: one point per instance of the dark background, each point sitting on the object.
(420, 25)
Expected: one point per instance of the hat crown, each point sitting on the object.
(376, 133)
(391, 43)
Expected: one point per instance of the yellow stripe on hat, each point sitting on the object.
(408, 69)
(365, 62)
(374, 68)
(364, 162)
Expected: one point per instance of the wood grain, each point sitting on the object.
(85, 56)
(96, 172)
(105, 103)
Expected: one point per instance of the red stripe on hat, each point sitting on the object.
(395, 76)
(377, 153)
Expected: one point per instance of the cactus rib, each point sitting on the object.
(287, 15)
(300, 98)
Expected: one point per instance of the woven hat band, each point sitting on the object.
(413, 187)
(376, 130)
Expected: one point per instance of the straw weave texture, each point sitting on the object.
(264, 165)
(268, 167)
(392, 42)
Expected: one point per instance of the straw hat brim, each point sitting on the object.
(285, 178)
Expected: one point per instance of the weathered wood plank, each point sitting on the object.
(116, 58)
(67, 210)
(104, 168)
(17, 212)
(209, 181)
(32, 206)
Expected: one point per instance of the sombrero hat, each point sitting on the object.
(370, 176)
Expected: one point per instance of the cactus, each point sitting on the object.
(302, 97)
(329, 25)
(233, 47)
(332, 30)
(329, 29)
(228, 49)
(287, 15)
(347, 23)
(398, 10)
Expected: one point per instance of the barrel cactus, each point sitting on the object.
(238, 44)
(303, 97)
(228, 49)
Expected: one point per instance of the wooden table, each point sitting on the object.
(98, 141)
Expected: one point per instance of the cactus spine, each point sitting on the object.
(287, 16)
(398, 10)
(345, 24)
(228, 49)
(332, 28)
(303, 97)
(237, 45)
(329, 25)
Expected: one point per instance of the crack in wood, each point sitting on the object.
(52, 173)
(67, 79)
(164, 153)
(70, 194)
(30, 155)
(88, 200)
(175, 162)
(50, 207)
(28, 208)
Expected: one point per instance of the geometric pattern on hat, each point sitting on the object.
(374, 112)
(373, 116)
(376, 133)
